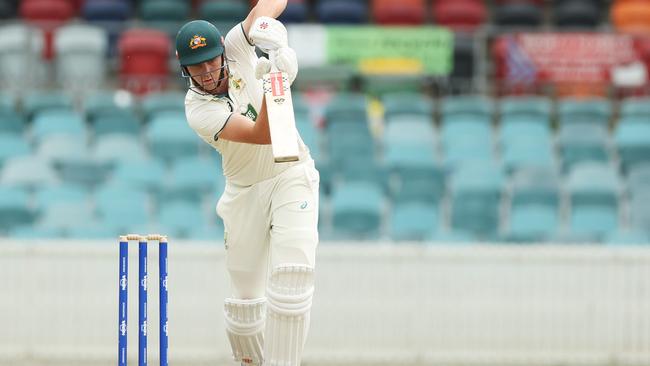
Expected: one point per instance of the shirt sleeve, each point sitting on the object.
(208, 119)
(238, 47)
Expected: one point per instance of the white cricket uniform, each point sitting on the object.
(270, 210)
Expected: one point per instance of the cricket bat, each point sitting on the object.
(282, 122)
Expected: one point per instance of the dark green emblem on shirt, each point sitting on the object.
(250, 112)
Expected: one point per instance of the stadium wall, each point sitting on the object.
(375, 304)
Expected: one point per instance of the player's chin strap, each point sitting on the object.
(289, 295)
(191, 85)
(245, 329)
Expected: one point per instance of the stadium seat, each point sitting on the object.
(640, 211)
(534, 205)
(12, 146)
(143, 57)
(118, 147)
(59, 147)
(413, 174)
(63, 216)
(530, 152)
(466, 105)
(635, 107)
(180, 218)
(162, 102)
(515, 128)
(122, 208)
(476, 191)
(627, 237)
(416, 221)
(146, 175)
(91, 230)
(594, 190)
(518, 13)
(192, 178)
(346, 107)
(576, 14)
(632, 138)
(47, 15)
(357, 211)
(527, 107)
(22, 67)
(631, 16)
(110, 15)
(582, 142)
(398, 104)
(595, 111)
(81, 51)
(27, 171)
(58, 122)
(409, 130)
(223, 14)
(638, 179)
(167, 16)
(14, 208)
(459, 15)
(40, 101)
(169, 137)
(466, 138)
(388, 12)
(11, 122)
(111, 112)
(60, 193)
(35, 232)
(297, 11)
(342, 11)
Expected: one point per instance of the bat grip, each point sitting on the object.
(271, 54)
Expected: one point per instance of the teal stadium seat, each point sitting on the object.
(474, 105)
(15, 209)
(596, 111)
(627, 237)
(111, 112)
(594, 190)
(118, 147)
(58, 122)
(58, 148)
(640, 211)
(466, 138)
(409, 130)
(11, 121)
(61, 193)
(534, 205)
(526, 107)
(122, 209)
(515, 128)
(162, 102)
(638, 179)
(415, 221)
(583, 142)
(40, 101)
(147, 175)
(357, 211)
(413, 175)
(192, 178)
(346, 107)
(635, 107)
(180, 218)
(167, 16)
(30, 232)
(80, 61)
(476, 191)
(28, 171)
(632, 138)
(407, 104)
(222, 11)
(169, 137)
(63, 216)
(12, 146)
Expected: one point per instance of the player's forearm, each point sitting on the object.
(261, 129)
(264, 8)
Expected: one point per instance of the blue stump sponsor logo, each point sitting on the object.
(164, 283)
(123, 328)
(143, 283)
(165, 328)
(143, 328)
(123, 282)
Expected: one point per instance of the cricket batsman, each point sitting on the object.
(269, 210)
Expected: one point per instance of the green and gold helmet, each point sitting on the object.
(198, 41)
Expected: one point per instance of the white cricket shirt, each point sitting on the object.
(243, 164)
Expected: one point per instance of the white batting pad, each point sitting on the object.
(245, 328)
(289, 295)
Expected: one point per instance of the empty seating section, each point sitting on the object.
(94, 140)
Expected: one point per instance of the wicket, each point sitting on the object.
(142, 298)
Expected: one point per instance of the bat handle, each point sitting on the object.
(271, 54)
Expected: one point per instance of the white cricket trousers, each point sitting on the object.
(267, 224)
